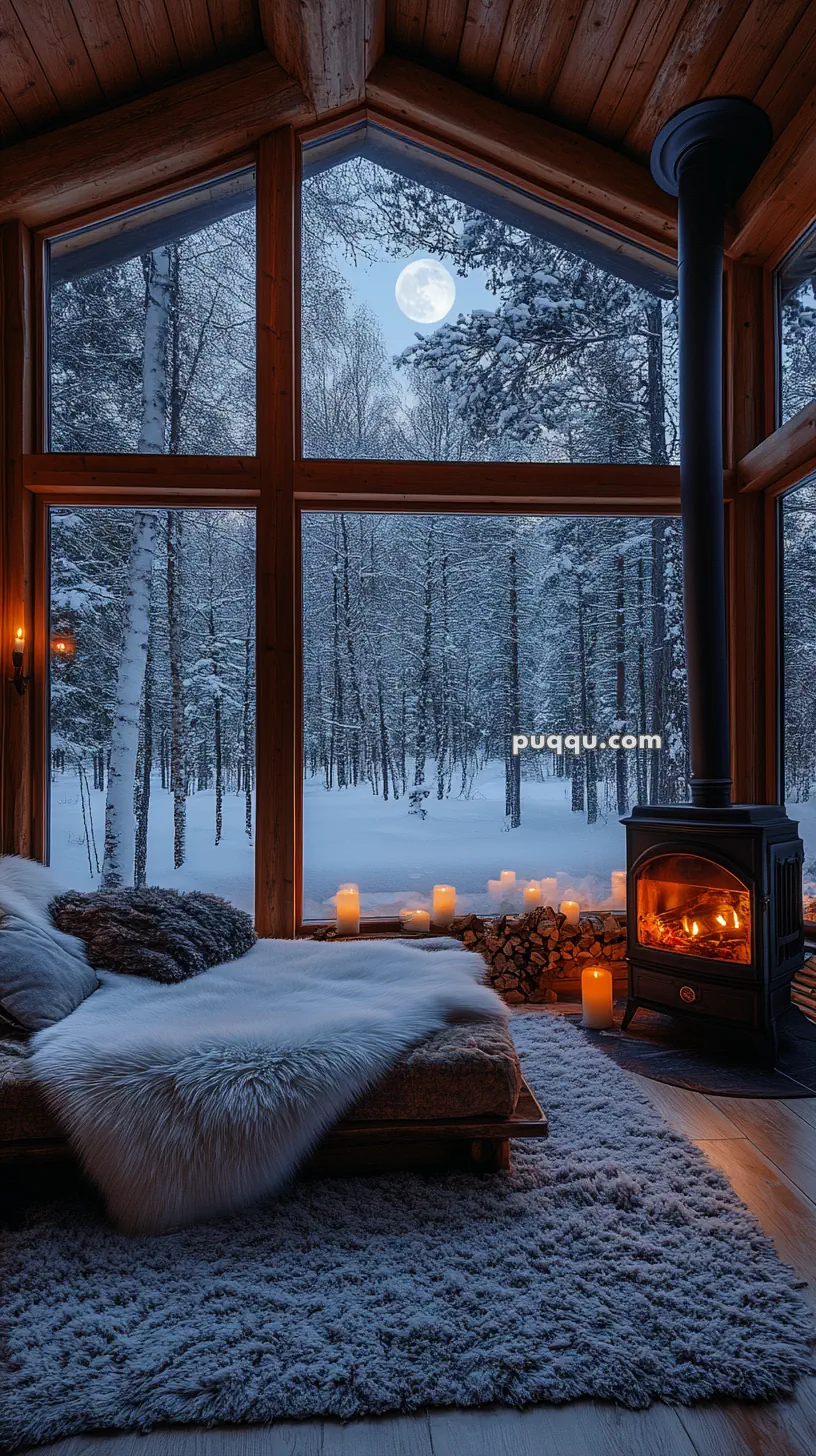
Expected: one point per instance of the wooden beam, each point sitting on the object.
(780, 200)
(599, 183)
(787, 456)
(329, 45)
(159, 138)
(17, 715)
(136, 474)
(277, 776)
(554, 489)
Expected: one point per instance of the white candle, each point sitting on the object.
(507, 879)
(571, 911)
(415, 920)
(444, 904)
(619, 889)
(531, 895)
(347, 910)
(596, 997)
(549, 890)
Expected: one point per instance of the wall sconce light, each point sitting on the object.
(17, 652)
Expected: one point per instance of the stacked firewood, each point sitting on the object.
(529, 955)
(803, 989)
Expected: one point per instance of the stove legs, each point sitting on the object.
(631, 1008)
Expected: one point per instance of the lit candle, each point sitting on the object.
(571, 911)
(19, 640)
(415, 920)
(347, 910)
(549, 890)
(531, 895)
(619, 889)
(507, 879)
(596, 997)
(444, 904)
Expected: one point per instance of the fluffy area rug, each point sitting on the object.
(613, 1261)
(188, 1101)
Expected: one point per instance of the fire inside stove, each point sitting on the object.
(694, 907)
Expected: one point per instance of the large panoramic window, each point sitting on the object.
(799, 686)
(152, 328)
(446, 317)
(796, 328)
(152, 699)
(433, 646)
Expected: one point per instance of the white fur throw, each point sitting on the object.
(187, 1101)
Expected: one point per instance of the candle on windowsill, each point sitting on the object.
(507, 879)
(571, 911)
(531, 896)
(549, 890)
(416, 922)
(347, 910)
(619, 889)
(596, 997)
(444, 904)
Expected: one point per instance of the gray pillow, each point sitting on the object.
(43, 973)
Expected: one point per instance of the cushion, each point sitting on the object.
(44, 974)
(23, 1111)
(165, 935)
(461, 1071)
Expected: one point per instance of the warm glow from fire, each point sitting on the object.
(692, 906)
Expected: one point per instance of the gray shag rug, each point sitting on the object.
(612, 1262)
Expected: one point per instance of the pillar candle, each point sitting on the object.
(549, 890)
(531, 895)
(596, 997)
(507, 879)
(619, 889)
(415, 921)
(347, 910)
(571, 911)
(444, 904)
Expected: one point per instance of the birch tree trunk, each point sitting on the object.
(120, 823)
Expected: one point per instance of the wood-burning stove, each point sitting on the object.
(714, 914)
(714, 890)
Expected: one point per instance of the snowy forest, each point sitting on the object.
(427, 639)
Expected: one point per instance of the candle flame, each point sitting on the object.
(19, 634)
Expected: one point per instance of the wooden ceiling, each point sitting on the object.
(612, 69)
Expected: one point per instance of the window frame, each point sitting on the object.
(279, 482)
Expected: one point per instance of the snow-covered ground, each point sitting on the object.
(394, 857)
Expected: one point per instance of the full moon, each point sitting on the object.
(425, 291)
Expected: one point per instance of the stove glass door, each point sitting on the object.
(694, 907)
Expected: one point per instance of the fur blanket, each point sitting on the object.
(187, 1101)
(166, 935)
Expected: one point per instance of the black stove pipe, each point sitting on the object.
(705, 155)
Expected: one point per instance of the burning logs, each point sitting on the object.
(530, 957)
(803, 989)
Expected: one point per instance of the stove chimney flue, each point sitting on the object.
(705, 155)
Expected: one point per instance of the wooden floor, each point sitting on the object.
(768, 1151)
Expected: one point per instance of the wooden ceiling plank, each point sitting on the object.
(524, 43)
(151, 40)
(22, 79)
(193, 33)
(444, 25)
(778, 202)
(158, 138)
(108, 46)
(406, 24)
(235, 25)
(485, 21)
(790, 79)
(56, 41)
(646, 41)
(572, 168)
(704, 33)
(754, 46)
(329, 45)
(10, 128)
(600, 29)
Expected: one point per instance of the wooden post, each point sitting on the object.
(751, 547)
(277, 776)
(17, 810)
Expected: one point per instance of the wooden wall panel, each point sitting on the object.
(277, 758)
(17, 543)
